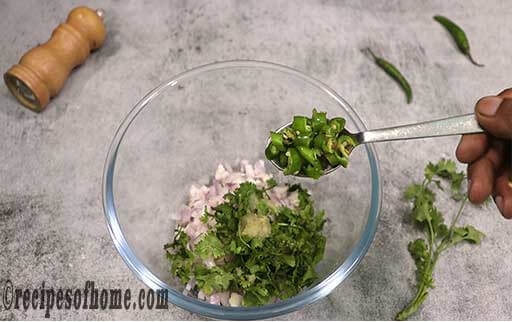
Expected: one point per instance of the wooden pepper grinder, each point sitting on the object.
(42, 71)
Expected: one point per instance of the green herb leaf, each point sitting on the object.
(210, 246)
(413, 191)
(473, 235)
(438, 236)
(446, 169)
(289, 260)
(467, 233)
(213, 280)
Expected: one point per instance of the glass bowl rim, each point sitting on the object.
(175, 297)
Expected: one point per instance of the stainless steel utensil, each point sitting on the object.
(455, 125)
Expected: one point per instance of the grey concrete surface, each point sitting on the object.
(51, 220)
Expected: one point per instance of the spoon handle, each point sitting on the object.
(455, 125)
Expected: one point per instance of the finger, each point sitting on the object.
(482, 173)
(507, 93)
(494, 114)
(471, 147)
(503, 194)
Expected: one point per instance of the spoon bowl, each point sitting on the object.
(330, 168)
(455, 125)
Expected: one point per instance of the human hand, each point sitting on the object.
(488, 154)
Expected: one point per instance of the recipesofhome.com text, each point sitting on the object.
(46, 298)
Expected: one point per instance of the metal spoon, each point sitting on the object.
(455, 125)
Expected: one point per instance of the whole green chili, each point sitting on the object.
(394, 73)
(458, 35)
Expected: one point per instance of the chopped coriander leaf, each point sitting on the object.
(261, 250)
(210, 247)
(212, 280)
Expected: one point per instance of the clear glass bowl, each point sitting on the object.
(178, 134)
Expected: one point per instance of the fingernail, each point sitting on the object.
(489, 105)
(499, 203)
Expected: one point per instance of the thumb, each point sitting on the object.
(494, 114)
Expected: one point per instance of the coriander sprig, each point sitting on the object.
(438, 236)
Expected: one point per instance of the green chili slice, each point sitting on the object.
(346, 144)
(313, 172)
(330, 145)
(335, 159)
(326, 144)
(459, 36)
(310, 146)
(323, 162)
(271, 152)
(332, 159)
(288, 135)
(310, 155)
(331, 130)
(303, 140)
(318, 120)
(300, 124)
(339, 121)
(294, 163)
(277, 140)
(343, 161)
(319, 141)
(282, 160)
